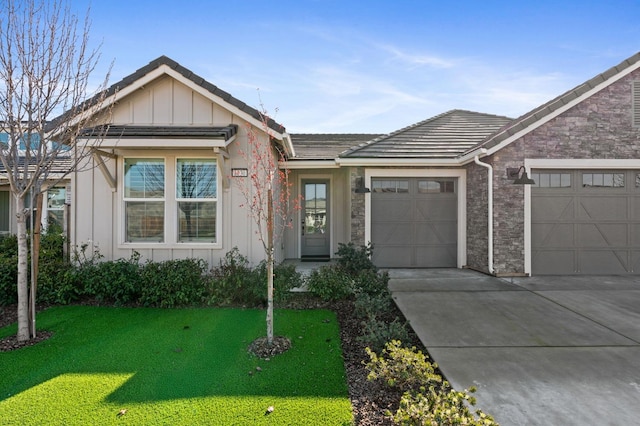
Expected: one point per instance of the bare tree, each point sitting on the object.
(45, 66)
(268, 199)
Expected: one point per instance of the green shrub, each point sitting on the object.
(330, 283)
(401, 367)
(173, 283)
(354, 260)
(114, 282)
(56, 281)
(367, 305)
(440, 406)
(8, 270)
(372, 283)
(427, 399)
(376, 333)
(233, 282)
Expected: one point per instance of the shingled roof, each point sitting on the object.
(325, 146)
(444, 136)
(540, 113)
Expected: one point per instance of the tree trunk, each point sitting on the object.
(270, 267)
(270, 299)
(23, 272)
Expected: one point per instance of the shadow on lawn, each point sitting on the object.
(182, 353)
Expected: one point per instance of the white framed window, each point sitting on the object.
(172, 200)
(56, 198)
(196, 197)
(144, 199)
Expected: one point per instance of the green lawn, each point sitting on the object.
(179, 366)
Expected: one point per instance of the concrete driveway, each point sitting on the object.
(540, 350)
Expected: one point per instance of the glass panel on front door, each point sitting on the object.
(315, 208)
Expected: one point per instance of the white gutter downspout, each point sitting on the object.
(489, 209)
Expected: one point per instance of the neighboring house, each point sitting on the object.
(422, 195)
(54, 211)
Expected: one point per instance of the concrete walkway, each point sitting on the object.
(540, 350)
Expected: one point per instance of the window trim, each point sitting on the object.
(170, 202)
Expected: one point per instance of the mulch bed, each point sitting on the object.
(369, 400)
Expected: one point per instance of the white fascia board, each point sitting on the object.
(221, 102)
(470, 156)
(397, 162)
(308, 164)
(177, 143)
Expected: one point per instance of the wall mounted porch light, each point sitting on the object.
(360, 188)
(513, 173)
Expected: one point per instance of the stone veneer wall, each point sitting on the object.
(477, 228)
(357, 208)
(598, 128)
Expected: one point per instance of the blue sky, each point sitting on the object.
(372, 66)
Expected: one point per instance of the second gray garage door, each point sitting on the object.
(585, 222)
(414, 222)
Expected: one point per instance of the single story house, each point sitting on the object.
(439, 193)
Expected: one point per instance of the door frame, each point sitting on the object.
(461, 174)
(330, 211)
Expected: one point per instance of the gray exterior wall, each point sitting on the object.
(600, 127)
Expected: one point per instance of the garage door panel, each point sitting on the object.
(553, 262)
(440, 257)
(392, 210)
(635, 209)
(635, 261)
(392, 256)
(553, 208)
(602, 235)
(436, 233)
(634, 234)
(552, 235)
(602, 208)
(435, 208)
(605, 262)
(392, 233)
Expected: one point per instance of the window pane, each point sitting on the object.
(618, 180)
(144, 178)
(565, 180)
(56, 198)
(144, 221)
(428, 186)
(197, 221)
(196, 179)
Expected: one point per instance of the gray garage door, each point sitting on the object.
(585, 222)
(414, 222)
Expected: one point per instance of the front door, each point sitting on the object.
(315, 219)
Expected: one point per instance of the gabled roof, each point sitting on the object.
(547, 111)
(444, 136)
(213, 89)
(326, 146)
(152, 70)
